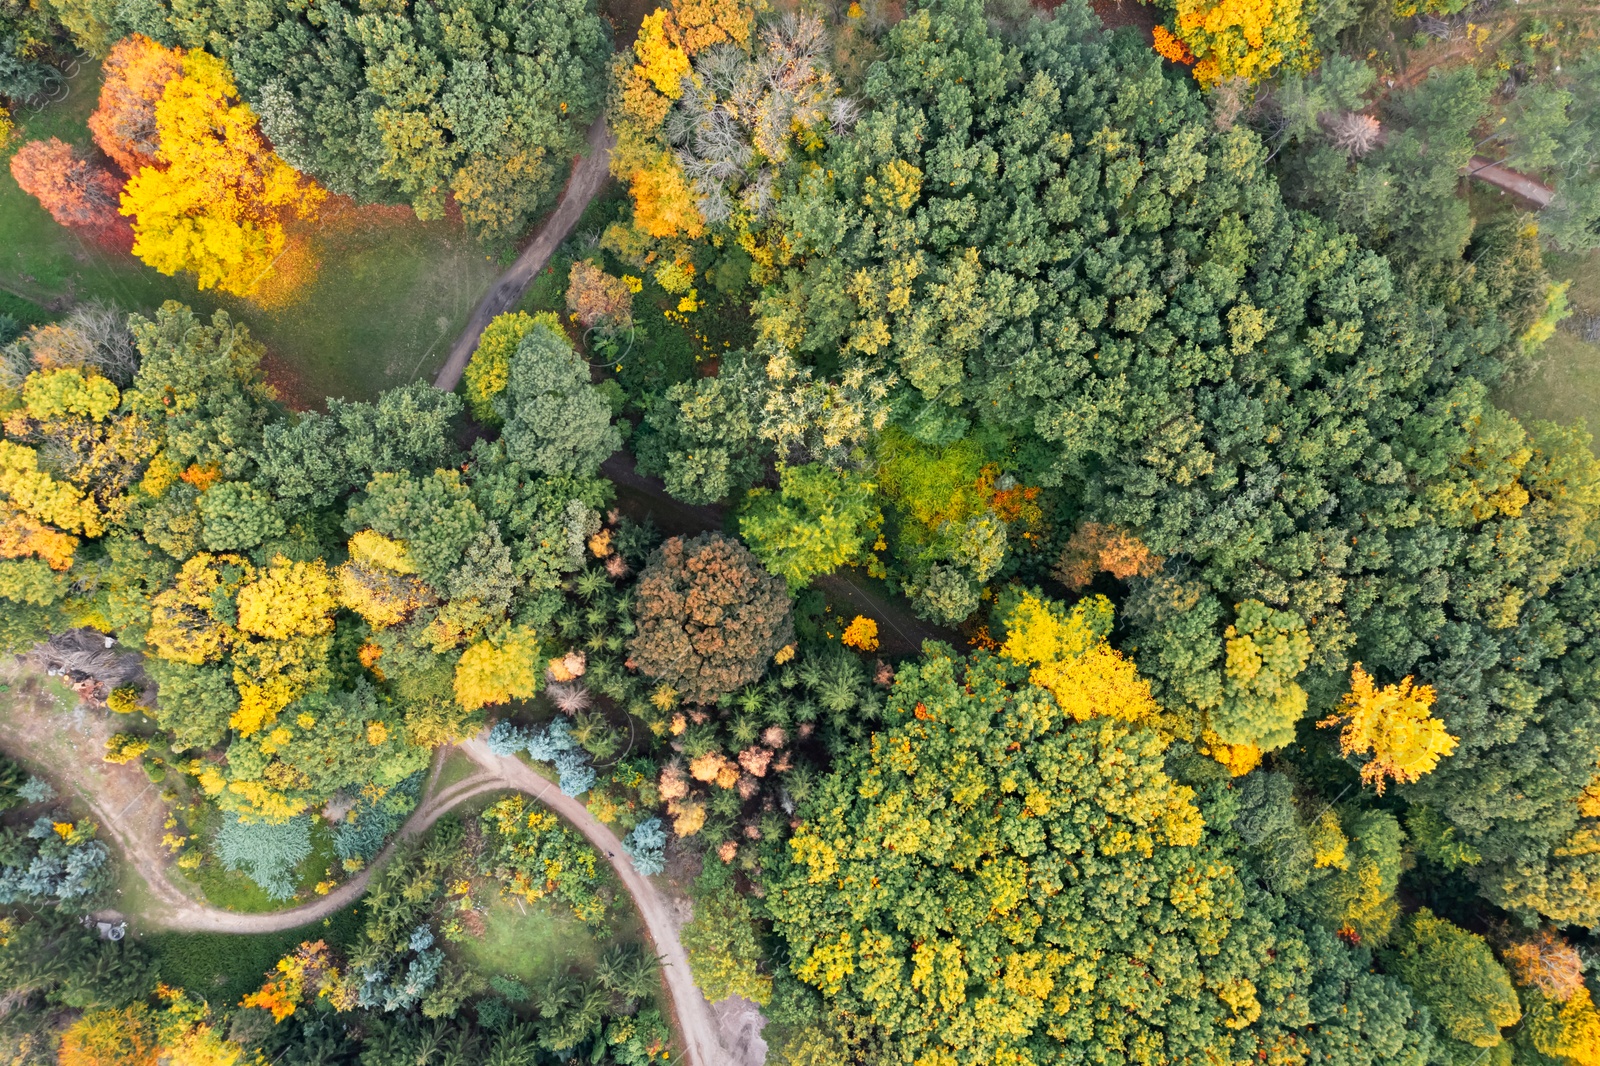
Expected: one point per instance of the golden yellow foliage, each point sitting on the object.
(1242, 38)
(660, 60)
(1568, 1031)
(663, 203)
(289, 599)
(376, 583)
(38, 495)
(52, 394)
(494, 671)
(1393, 724)
(183, 623)
(125, 747)
(1073, 662)
(219, 205)
(1238, 759)
(22, 536)
(124, 1037)
(861, 634)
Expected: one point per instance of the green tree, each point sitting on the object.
(556, 422)
(1457, 976)
(819, 520)
(701, 436)
(236, 515)
(723, 940)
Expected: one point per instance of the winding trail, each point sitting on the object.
(67, 742)
(589, 176)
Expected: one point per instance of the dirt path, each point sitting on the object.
(67, 743)
(589, 176)
(694, 1016)
(1533, 191)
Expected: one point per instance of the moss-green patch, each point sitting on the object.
(223, 968)
(530, 942)
(1565, 385)
(390, 296)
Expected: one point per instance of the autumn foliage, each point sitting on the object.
(125, 1037)
(206, 192)
(75, 190)
(710, 617)
(124, 123)
(599, 300)
(1393, 725)
(1237, 38)
(1545, 961)
(219, 208)
(1095, 547)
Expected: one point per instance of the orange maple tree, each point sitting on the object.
(1095, 547)
(124, 123)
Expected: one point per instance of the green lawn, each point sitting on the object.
(532, 942)
(390, 296)
(222, 968)
(457, 767)
(1565, 386)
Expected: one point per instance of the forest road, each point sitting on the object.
(67, 745)
(589, 176)
(1511, 181)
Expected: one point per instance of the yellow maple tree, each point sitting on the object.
(1241, 38)
(1393, 724)
(217, 204)
(288, 599)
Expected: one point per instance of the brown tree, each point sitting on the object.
(1095, 547)
(598, 299)
(75, 190)
(710, 618)
(124, 124)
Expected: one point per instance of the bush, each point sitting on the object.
(710, 617)
(373, 820)
(264, 852)
(54, 861)
(646, 846)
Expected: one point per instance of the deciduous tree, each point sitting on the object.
(710, 618)
(75, 191)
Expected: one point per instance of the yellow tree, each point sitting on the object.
(1073, 662)
(1241, 38)
(497, 670)
(1393, 724)
(218, 203)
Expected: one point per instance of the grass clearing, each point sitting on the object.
(1565, 386)
(457, 767)
(388, 300)
(531, 942)
(222, 968)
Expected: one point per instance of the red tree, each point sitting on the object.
(76, 191)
